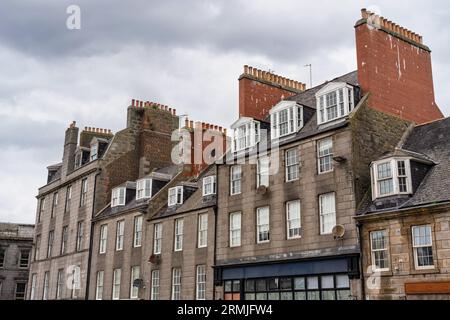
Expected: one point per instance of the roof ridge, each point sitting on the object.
(432, 121)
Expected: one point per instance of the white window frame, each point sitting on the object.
(246, 134)
(99, 285)
(118, 196)
(176, 283)
(59, 283)
(157, 238)
(64, 239)
(178, 234)
(120, 234)
(93, 154)
(235, 180)
(235, 229)
(418, 246)
(144, 188)
(324, 230)
(117, 275)
(344, 102)
(50, 242)
(202, 225)
(84, 190)
(375, 267)
(200, 283)
(175, 196)
(295, 165)
(321, 154)
(80, 236)
(262, 226)
(103, 239)
(137, 234)
(155, 285)
(263, 172)
(209, 186)
(135, 274)
(395, 176)
(294, 119)
(293, 217)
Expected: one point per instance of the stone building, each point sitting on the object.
(405, 222)
(16, 242)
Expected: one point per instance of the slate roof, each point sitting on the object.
(429, 142)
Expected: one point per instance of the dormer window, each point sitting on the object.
(246, 134)
(175, 196)
(94, 152)
(118, 197)
(286, 118)
(209, 185)
(391, 177)
(143, 189)
(334, 101)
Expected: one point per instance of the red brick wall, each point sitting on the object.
(397, 73)
(257, 98)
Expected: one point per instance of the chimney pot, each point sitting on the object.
(246, 69)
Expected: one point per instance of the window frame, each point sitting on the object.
(212, 181)
(55, 200)
(233, 230)
(178, 234)
(155, 285)
(200, 282)
(116, 283)
(235, 180)
(385, 249)
(176, 286)
(137, 231)
(33, 286)
(294, 119)
(289, 166)
(59, 283)
(80, 236)
(288, 220)
(263, 170)
(46, 285)
(202, 230)
(117, 199)
(247, 132)
(395, 176)
(68, 201)
(21, 257)
(415, 247)
(134, 291)
(178, 196)
(344, 97)
(259, 225)
(120, 234)
(64, 239)
(321, 155)
(99, 286)
(83, 192)
(50, 242)
(324, 232)
(142, 188)
(157, 238)
(103, 239)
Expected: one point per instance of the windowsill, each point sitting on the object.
(425, 271)
(207, 195)
(325, 172)
(294, 238)
(263, 242)
(290, 181)
(234, 195)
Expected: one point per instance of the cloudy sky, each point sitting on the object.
(185, 54)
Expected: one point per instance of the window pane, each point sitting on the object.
(343, 294)
(261, 285)
(342, 281)
(313, 295)
(300, 296)
(286, 296)
(299, 284)
(328, 295)
(313, 283)
(274, 296)
(327, 282)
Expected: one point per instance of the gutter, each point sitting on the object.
(359, 227)
(91, 239)
(215, 209)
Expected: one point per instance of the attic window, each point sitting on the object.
(143, 189)
(391, 177)
(209, 185)
(118, 197)
(334, 101)
(246, 134)
(94, 152)
(286, 118)
(175, 196)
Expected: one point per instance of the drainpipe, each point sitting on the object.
(91, 239)
(215, 229)
(359, 225)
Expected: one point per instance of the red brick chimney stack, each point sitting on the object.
(260, 90)
(395, 67)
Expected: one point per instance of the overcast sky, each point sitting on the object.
(185, 54)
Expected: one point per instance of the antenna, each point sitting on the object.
(310, 74)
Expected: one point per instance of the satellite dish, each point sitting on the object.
(138, 283)
(338, 231)
(262, 190)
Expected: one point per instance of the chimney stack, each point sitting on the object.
(70, 147)
(395, 67)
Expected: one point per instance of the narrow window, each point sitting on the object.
(54, 204)
(262, 225)
(327, 206)
(20, 290)
(84, 187)
(235, 178)
(45, 287)
(33, 286)
(99, 288)
(202, 230)
(120, 235)
(176, 284)
(103, 238)
(118, 197)
(37, 249)
(117, 274)
(325, 155)
(68, 199)
(235, 229)
(423, 247)
(135, 274)
(137, 242)
(155, 285)
(51, 238)
(209, 185)
(201, 282)
(380, 254)
(80, 236)
(65, 235)
(263, 166)
(175, 196)
(385, 179)
(178, 234)
(144, 189)
(59, 284)
(157, 238)
(41, 209)
(293, 219)
(292, 165)
(24, 260)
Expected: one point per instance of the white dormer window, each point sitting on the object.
(175, 196)
(143, 189)
(118, 197)
(209, 185)
(286, 118)
(94, 152)
(246, 134)
(334, 101)
(391, 177)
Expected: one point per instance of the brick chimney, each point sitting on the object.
(260, 90)
(395, 67)
(70, 146)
